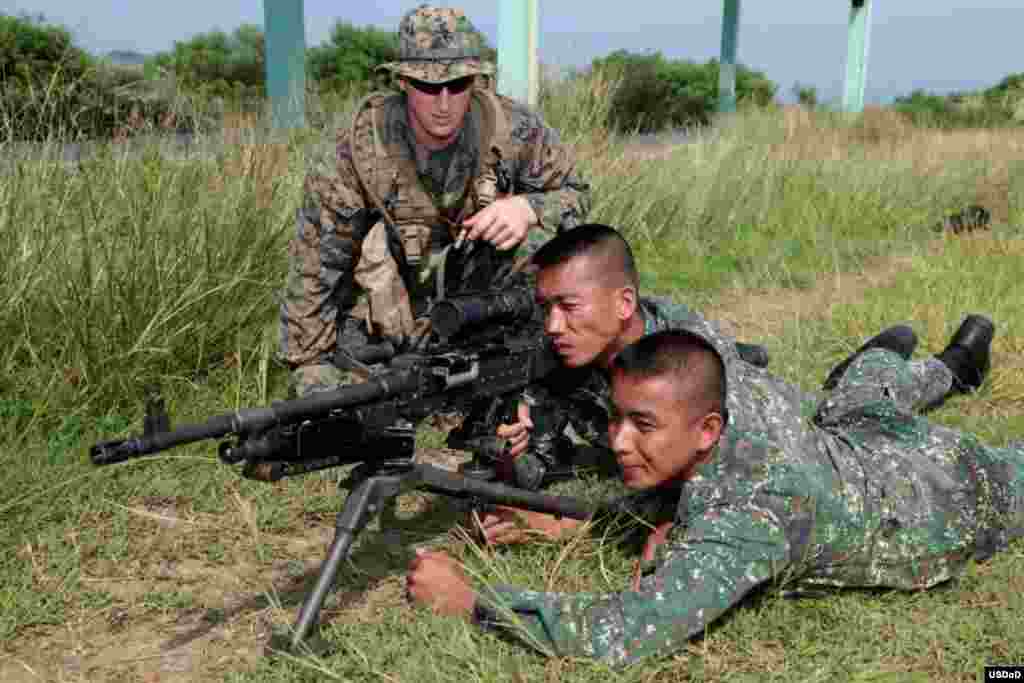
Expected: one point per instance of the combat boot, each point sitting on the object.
(968, 355)
(754, 354)
(898, 338)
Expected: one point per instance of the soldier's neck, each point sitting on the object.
(631, 331)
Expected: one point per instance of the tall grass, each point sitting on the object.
(133, 269)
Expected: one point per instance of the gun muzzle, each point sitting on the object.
(110, 452)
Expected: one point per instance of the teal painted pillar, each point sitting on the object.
(858, 44)
(285, 36)
(517, 35)
(532, 36)
(727, 64)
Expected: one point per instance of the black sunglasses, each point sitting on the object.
(456, 87)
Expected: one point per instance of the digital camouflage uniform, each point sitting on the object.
(340, 289)
(863, 494)
(581, 398)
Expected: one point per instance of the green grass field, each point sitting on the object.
(807, 234)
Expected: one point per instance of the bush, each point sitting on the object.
(657, 93)
(52, 89)
(347, 60)
(806, 95)
(1000, 105)
(217, 64)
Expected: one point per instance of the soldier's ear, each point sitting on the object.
(710, 431)
(627, 302)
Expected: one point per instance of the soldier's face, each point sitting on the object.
(437, 111)
(583, 317)
(656, 436)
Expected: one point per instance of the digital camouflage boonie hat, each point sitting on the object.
(438, 44)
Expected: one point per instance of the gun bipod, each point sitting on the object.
(367, 498)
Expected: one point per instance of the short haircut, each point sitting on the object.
(693, 363)
(592, 240)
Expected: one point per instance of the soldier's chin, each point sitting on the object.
(572, 358)
(444, 131)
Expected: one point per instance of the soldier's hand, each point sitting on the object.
(518, 433)
(506, 525)
(504, 223)
(436, 580)
(654, 539)
(419, 335)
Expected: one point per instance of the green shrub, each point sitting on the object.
(347, 60)
(51, 89)
(32, 51)
(217, 64)
(657, 93)
(1000, 105)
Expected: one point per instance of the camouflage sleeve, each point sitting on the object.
(546, 174)
(721, 557)
(321, 260)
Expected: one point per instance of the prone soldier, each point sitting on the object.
(866, 494)
(588, 285)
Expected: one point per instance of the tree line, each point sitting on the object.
(49, 83)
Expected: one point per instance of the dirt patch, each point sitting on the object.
(177, 616)
(757, 314)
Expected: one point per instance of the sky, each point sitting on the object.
(936, 45)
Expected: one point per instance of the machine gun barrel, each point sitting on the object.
(255, 420)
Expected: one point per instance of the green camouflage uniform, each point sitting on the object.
(581, 398)
(864, 494)
(323, 303)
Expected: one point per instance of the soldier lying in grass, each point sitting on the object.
(587, 283)
(867, 494)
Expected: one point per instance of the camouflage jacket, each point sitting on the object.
(864, 493)
(427, 195)
(581, 397)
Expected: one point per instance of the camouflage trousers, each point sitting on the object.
(996, 474)
(881, 375)
(326, 374)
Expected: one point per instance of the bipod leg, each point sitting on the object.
(366, 500)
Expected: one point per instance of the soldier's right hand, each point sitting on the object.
(506, 525)
(517, 433)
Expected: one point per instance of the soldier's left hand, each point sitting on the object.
(503, 223)
(436, 580)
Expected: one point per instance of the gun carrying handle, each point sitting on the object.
(358, 359)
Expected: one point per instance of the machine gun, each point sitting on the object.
(483, 347)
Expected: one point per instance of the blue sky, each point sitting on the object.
(938, 45)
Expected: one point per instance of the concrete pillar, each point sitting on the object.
(533, 36)
(285, 35)
(727, 63)
(858, 44)
(517, 39)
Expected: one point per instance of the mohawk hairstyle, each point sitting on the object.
(692, 361)
(592, 240)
